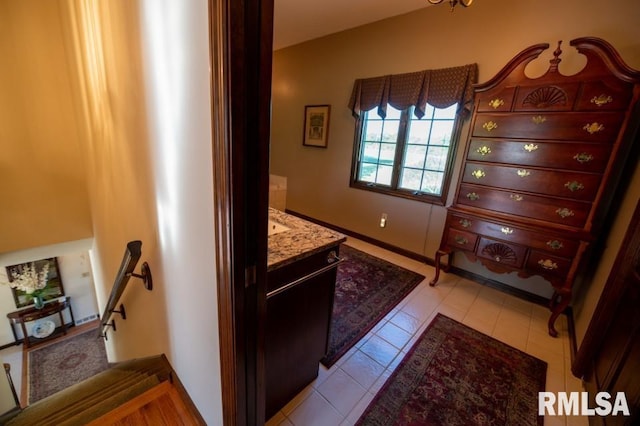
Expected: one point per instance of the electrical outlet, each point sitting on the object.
(383, 220)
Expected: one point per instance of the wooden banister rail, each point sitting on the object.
(129, 261)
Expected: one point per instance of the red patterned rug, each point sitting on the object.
(57, 366)
(455, 375)
(367, 288)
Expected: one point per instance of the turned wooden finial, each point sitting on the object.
(556, 58)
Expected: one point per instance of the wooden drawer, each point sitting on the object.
(500, 252)
(587, 157)
(600, 127)
(556, 97)
(495, 100)
(579, 186)
(556, 210)
(461, 239)
(542, 263)
(541, 240)
(604, 95)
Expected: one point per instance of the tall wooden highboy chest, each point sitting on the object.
(541, 165)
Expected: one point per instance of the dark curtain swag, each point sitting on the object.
(440, 88)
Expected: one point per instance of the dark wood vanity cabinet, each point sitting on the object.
(299, 306)
(542, 162)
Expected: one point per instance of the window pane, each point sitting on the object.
(425, 149)
(449, 112)
(419, 131)
(428, 112)
(392, 113)
(411, 179)
(387, 153)
(441, 132)
(390, 130)
(373, 130)
(432, 183)
(414, 156)
(370, 152)
(384, 175)
(368, 172)
(436, 158)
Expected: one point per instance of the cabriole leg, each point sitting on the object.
(439, 255)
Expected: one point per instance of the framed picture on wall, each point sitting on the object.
(51, 290)
(316, 125)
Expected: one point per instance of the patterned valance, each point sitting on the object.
(440, 88)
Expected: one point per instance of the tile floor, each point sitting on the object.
(340, 394)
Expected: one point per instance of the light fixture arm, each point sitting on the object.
(453, 3)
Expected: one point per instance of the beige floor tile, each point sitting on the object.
(380, 350)
(407, 322)
(363, 369)
(420, 306)
(315, 411)
(514, 335)
(394, 335)
(543, 339)
(342, 391)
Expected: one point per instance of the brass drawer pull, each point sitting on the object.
(538, 119)
(460, 240)
(484, 150)
(489, 126)
(516, 197)
(564, 212)
(506, 231)
(555, 244)
(574, 186)
(478, 174)
(530, 147)
(523, 173)
(496, 103)
(583, 157)
(465, 223)
(473, 196)
(594, 127)
(548, 264)
(601, 100)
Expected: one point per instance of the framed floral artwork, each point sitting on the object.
(316, 125)
(34, 282)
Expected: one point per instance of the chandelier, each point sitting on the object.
(453, 3)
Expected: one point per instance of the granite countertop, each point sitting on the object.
(303, 239)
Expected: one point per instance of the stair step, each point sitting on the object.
(96, 398)
(75, 397)
(109, 404)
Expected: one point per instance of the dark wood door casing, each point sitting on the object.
(609, 356)
(241, 36)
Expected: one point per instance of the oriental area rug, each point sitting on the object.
(454, 375)
(56, 366)
(367, 288)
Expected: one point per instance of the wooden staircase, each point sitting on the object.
(142, 392)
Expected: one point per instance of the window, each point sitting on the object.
(405, 155)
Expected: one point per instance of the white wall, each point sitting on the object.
(143, 87)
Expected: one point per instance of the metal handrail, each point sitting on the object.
(129, 261)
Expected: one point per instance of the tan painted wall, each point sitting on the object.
(490, 33)
(42, 187)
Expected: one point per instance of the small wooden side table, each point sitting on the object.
(31, 314)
